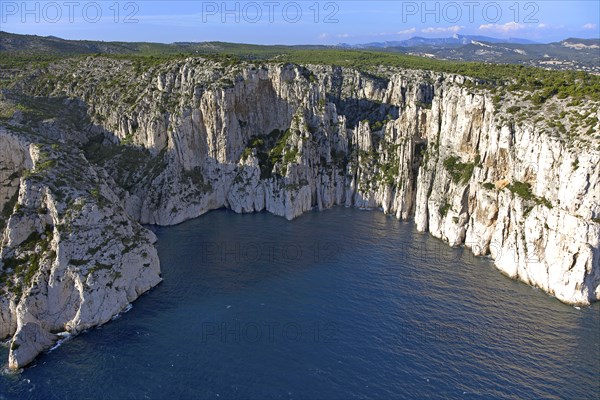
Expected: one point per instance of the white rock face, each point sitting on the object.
(71, 257)
(331, 157)
(288, 139)
(29, 341)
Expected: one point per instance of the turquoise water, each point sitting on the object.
(338, 304)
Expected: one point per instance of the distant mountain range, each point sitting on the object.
(572, 53)
(456, 40)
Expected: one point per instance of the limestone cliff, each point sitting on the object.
(491, 171)
(71, 257)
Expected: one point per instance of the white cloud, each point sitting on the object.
(323, 36)
(507, 27)
(542, 26)
(407, 31)
(453, 29)
(589, 26)
(343, 35)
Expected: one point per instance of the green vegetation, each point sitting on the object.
(277, 152)
(377, 126)
(444, 208)
(93, 250)
(339, 159)
(575, 164)
(290, 156)
(421, 104)
(541, 84)
(523, 190)
(389, 172)
(270, 150)
(7, 210)
(37, 109)
(459, 172)
(95, 192)
(574, 84)
(127, 164)
(197, 178)
(19, 271)
(78, 263)
(389, 168)
(98, 267)
(34, 51)
(127, 140)
(23, 60)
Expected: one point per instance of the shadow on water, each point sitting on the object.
(336, 304)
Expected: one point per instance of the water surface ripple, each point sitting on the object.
(340, 304)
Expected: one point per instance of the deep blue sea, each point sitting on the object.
(339, 304)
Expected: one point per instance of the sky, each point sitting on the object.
(299, 22)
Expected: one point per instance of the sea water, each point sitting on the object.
(338, 304)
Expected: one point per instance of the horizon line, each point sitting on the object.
(303, 44)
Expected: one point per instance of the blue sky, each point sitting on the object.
(299, 22)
